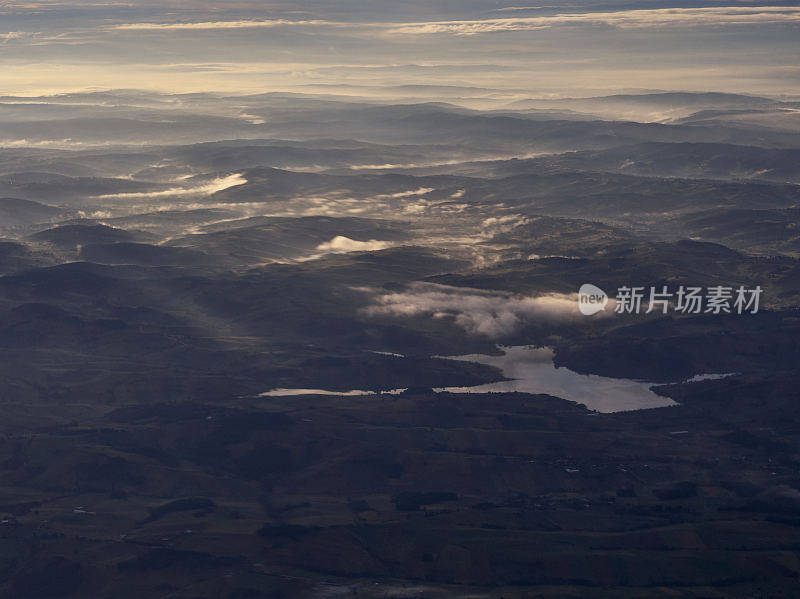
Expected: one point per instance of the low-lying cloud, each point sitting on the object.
(404, 194)
(479, 312)
(212, 187)
(495, 225)
(343, 245)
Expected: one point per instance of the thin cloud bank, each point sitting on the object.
(478, 312)
(207, 25)
(513, 8)
(495, 225)
(404, 194)
(623, 19)
(343, 245)
(13, 35)
(212, 187)
(722, 15)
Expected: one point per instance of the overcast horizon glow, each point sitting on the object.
(573, 48)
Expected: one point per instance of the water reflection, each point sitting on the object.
(532, 371)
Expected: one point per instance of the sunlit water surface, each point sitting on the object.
(531, 370)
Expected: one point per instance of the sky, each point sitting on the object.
(531, 49)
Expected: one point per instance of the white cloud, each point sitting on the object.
(489, 313)
(636, 18)
(212, 187)
(502, 224)
(13, 35)
(418, 208)
(722, 15)
(404, 194)
(342, 245)
(47, 143)
(211, 25)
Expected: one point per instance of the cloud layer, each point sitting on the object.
(478, 312)
(343, 245)
(208, 25)
(248, 47)
(637, 18)
(648, 18)
(212, 187)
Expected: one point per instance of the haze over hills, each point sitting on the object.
(226, 322)
(399, 299)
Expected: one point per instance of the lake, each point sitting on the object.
(531, 370)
